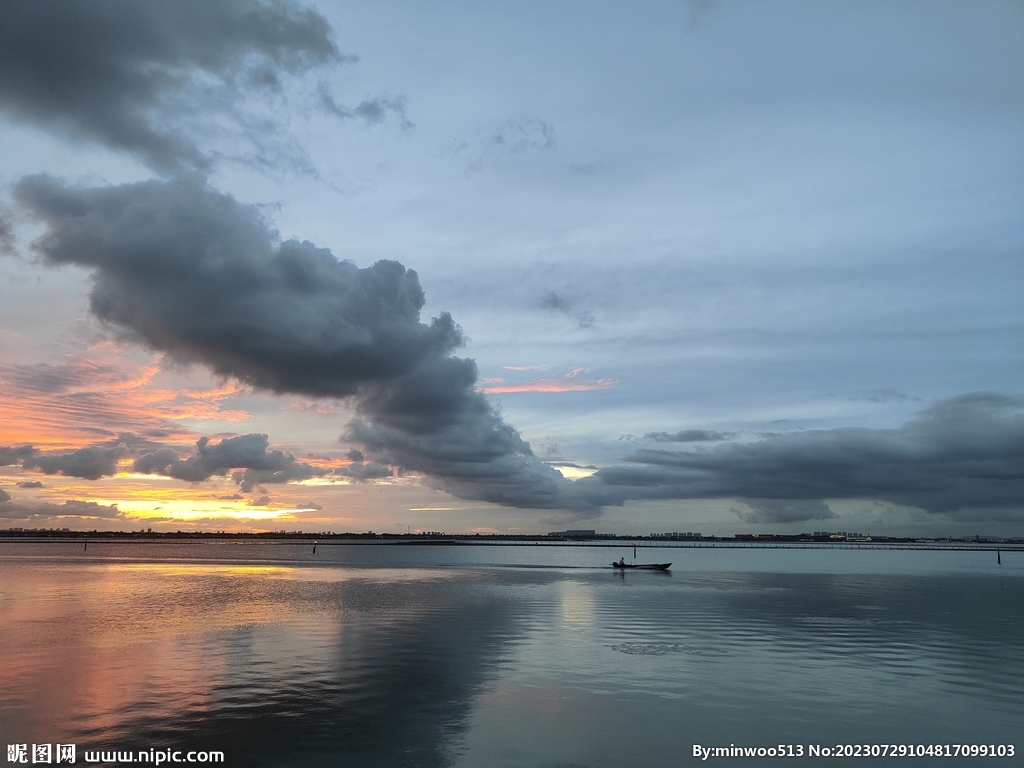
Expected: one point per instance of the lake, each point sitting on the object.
(508, 656)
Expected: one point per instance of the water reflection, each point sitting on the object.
(280, 664)
(270, 668)
(576, 604)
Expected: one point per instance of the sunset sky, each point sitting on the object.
(663, 266)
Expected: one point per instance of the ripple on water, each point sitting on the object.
(660, 649)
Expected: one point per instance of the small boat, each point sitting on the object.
(642, 566)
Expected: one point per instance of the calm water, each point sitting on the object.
(507, 656)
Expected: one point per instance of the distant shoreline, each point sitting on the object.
(742, 541)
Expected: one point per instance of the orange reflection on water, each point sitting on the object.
(92, 646)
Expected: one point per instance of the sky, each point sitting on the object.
(709, 266)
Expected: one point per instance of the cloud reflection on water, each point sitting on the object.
(295, 665)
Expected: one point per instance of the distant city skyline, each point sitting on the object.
(716, 266)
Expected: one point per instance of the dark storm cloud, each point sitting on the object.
(90, 463)
(116, 72)
(684, 436)
(964, 453)
(192, 272)
(246, 453)
(435, 422)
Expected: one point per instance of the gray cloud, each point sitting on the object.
(117, 72)
(436, 423)
(194, 273)
(964, 453)
(89, 463)
(9, 455)
(784, 510)
(12, 509)
(883, 396)
(4, 495)
(29, 484)
(365, 471)
(370, 110)
(246, 453)
(8, 241)
(515, 137)
(684, 436)
(557, 303)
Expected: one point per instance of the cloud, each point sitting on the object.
(4, 495)
(371, 111)
(10, 455)
(963, 453)
(784, 510)
(499, 386)
(118, 73)
(570, 382)
(8, 240)
(104, 392)
(684, 436)
(193, 273)
(29, 484)
(64, 377)
(246, 453)
(435, 422)
(514, 138)
(12, 509)
(365, 471)
(90, 463)
(557, 303)
(886, 395)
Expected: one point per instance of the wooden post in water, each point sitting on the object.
(999, 558)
